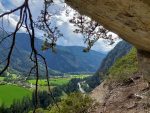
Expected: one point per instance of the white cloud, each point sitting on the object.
(103, 46)
(9, 22)
(70, 38)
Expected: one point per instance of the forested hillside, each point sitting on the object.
(123, 68)
(121, 49)
(65, 59)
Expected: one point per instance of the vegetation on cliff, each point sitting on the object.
(124, 67)
(121, 49)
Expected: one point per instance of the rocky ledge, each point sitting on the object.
(130, 97)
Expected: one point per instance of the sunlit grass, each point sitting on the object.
(9, 93)
(57, 81)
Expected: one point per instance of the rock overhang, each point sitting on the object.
(130, 19)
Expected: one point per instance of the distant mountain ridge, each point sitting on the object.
(66, 59)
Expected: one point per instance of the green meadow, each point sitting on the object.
(56, 81)
(53, 81)
(9, 93)
(2, 78)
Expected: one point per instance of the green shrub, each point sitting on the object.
(124, 67)
(40, 110)
(74, 103)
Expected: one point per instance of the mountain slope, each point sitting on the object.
(121, 49)
(124, 67)
(125, 90)
(66, 59)
(72, 59)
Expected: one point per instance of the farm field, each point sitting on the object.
(2, 78)
(53, 82)
(8, 93)
(57, 81)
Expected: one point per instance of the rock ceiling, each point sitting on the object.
(130, 19)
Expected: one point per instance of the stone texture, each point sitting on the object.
(133, 98)
(144, 63)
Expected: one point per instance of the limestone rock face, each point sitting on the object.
(130, 19)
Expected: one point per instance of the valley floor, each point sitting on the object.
(15, 88)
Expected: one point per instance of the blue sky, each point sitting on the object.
(70, 38)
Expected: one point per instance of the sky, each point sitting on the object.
(61, 20)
